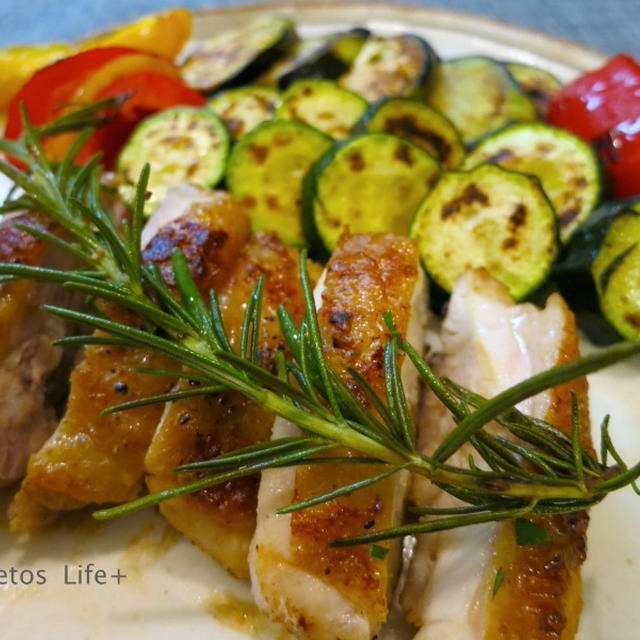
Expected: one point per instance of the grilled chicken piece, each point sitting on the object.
(489, 344)
(99, 459)
(316, 590)
(221, 519)
(27, 357)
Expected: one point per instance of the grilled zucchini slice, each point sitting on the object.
(237, 55)
(538, 84)
(478, 95)
(372, 183)
(487, 218)
(244, 108)
(616, 272)
(323, 105)
(391, 66)
(566, 166)
(265, 173)
(182, 145)
(419, 123)
(324, 57)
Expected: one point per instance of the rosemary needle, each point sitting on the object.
(545, 471)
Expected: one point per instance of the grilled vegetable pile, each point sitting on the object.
(368, 132)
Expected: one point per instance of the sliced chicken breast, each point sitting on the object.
(316, 590)
(489, 344)
(221, 519)
(91, 458)
(28, 360)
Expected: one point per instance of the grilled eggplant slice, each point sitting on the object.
(478, 95)
(265, 173)
(372, 183)
(238, 55)
(538, 84)
(489, 343)
(566, 166)
(32, 370)
(616, 272)
(419, 123)
(94, 458)
(244, 108)
(221, 519)
(182, 145)
(324, 105)
(487, 218)
(321, 592)
(391, 66)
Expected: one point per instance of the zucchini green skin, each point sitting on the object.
(347, 45)
(418, 122)
(391, 66)
(322, 104)
(478, 95)
(182, 145)
(237, 56)
(566, 166)
(244, 108)
(487, 218)
(265, 172)
(370, 183)
(538, 84)
(616, 273)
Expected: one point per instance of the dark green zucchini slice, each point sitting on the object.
(347, 45)
(419, 123)
(538, 84)
(371, 183)
(237, 55)
(478, 95)
(616, 272)
(323, 105)
(323, 57)
(265, 172)
(244, 108)
(391, 66)
(182, 145)
(487, 218)
(566, 166)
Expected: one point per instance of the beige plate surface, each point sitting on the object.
(172, 590)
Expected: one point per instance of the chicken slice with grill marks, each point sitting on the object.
(318, 591)
(32, 370)
(221, 519)
(91, 458)
(489, 344)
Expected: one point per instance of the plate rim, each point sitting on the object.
(562, 49)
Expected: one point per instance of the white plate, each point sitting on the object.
(172, 589)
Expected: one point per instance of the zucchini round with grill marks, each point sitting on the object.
(419, 123)
(538, 84)
(616, 272)
(244, 108)
(323, 105)
(566, 166)
(392, 66)
(487, 218)
(478, 95)
(182, 145)
(265, 171)
(237, 55)
(372, 183)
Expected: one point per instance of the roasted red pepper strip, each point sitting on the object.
(603, 107)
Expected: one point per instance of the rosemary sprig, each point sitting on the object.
(543, 471)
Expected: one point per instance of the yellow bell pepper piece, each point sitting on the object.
(162, 34)
(17, 64)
